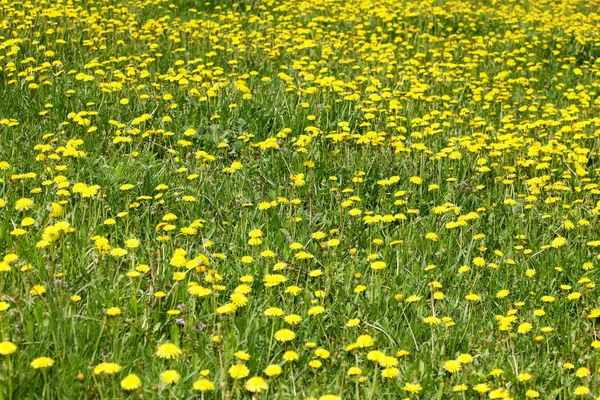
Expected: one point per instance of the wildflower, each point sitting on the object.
(378, 265)
(273, 370)
(432, 236)
(452, 366)
(473, 297)
(238, 371)
(27, 221)
(413, 298)
(498, 394)
(364, 341)
(242, 355)
(113, 311)
(524, 327)
(256, 384)
(7, 348)
(107, 368)
(412, 388)
(481, 388)
(581, 391)
(292, 319)
(118, 252)
(170, 376)
(41, 362)
(37, 290)
(273, 312)
(132, 243)
(330, 397)
(432, 320)
(464, 358)
(524, 377)
(392, 372)
(460, 388)
(203, 385)
(559, 242)
(131, 382)
(316, 310)
(290, 355)
(228, 308)
(274, 280)
(168, 351)
(23, 204)
(284, 335)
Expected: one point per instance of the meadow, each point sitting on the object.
(293, 199)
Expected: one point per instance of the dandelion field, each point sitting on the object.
(285, 199)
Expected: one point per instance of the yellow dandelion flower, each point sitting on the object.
(203, 385)
(238, 371)
(170, 376)
(41, 362)
(168, 351)
(256, 384)
(131, 382)
(7, 348)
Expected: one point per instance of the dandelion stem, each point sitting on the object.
(271, 341)
(9, 366)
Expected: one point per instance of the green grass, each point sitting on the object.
(492, 105)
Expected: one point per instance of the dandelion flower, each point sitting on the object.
(524, 327)
(460, 388)
(238, 371)
(581, 391)
(292, 319)
(203, 385)
(107, 368)
(481, 388)
(559, 242)
(432, 236)
(42, 362)
(364, 341)
(284, 335)
(131, 382)
(23, 204)
(272, 370)
(170, 376)
(452, 366)
(412, 388)
(464, 358)
(256, 384)
(7, 348)
(113, 311)
(316, 310)
(524, 377)
(242, 355)
(168, 351)
(290, 355)
(378, 265)
(37, 290)
(391, 372)
(132, 243)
